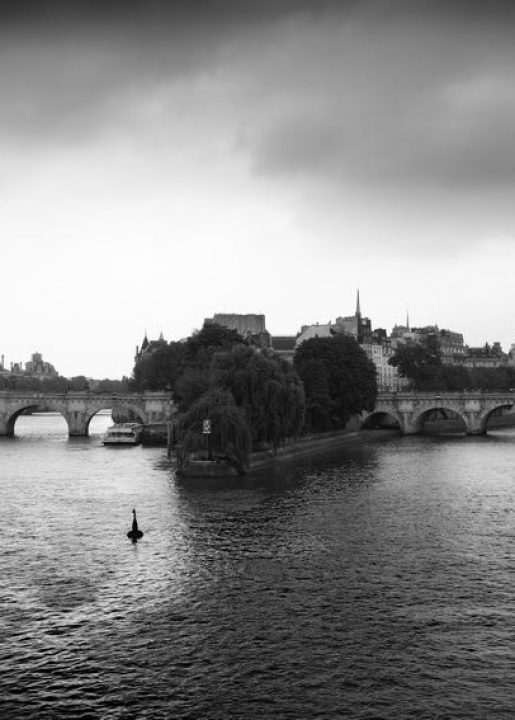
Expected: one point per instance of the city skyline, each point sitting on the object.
(21, 364)
(162, 161)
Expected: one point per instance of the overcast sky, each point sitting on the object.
(161, 162)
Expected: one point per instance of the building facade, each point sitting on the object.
(251, 327)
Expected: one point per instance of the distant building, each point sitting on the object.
(375, 343)
(488, 356)
(359, 327)
(388, 378)
(317, 330)
(251, 327)
(452, 348)
(36, 367)
(356, 326)
(148, 346)
(450, 343)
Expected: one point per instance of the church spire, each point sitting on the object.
(407, 320)
(358, 309)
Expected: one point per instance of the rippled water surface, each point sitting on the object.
(375, 583)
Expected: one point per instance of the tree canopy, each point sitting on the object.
(266, 387)
(230, 434)
(339, 380)
(422, 364)
(418, 361)
(183, 367)
(159, 369)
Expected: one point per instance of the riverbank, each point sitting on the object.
(304, 447)
(293, 449)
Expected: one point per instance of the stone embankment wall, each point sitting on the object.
(306, 446)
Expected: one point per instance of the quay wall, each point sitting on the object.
(306, 446)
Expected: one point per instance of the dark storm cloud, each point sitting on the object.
(413, 98)
(157, 11)
(399, 92)
(64, 63)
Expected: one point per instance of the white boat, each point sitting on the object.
(123, 434)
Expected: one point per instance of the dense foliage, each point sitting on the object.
(250, 394)
(253, 397)
(266, 388)
(58, 384)
(422, 364)
(418, 361)
(183, 366)
(243, 391)
(230, 437)
(452, 378)
(339, 381)
(159, 369)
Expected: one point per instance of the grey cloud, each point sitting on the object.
(65, 65)
(415, 103)
(355, 91)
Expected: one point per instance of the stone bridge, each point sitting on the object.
(410, 408)
(78, 408)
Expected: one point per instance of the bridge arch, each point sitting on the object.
(448, 414)
(78, 407)
(382, 419)
(489, 412)
(14, 414)
(136, 411)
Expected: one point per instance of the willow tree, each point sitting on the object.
(195, 376)
(230, 435)
(266, 387)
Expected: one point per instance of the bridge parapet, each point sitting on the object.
(78, 407)
(474, 407)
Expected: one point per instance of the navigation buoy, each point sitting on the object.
(134, 534)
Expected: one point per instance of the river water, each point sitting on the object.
(377, 582)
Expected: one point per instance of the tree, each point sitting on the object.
(230, 433)
(159, 369)
(110, 387)
(183, 367)
(266, 387)
(417, 361)
(54, 384)
(78, 383)
(318, 395)
(201, 346)
(191, 384)
(199, 349)
(23, 383)
(339, 380)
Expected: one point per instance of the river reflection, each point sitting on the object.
(372, 583)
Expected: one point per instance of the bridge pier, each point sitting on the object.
(474, 424)
(6, 428)
(409, 424)
(77, 423)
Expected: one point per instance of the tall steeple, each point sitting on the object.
(358, 309)
(407, 320)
